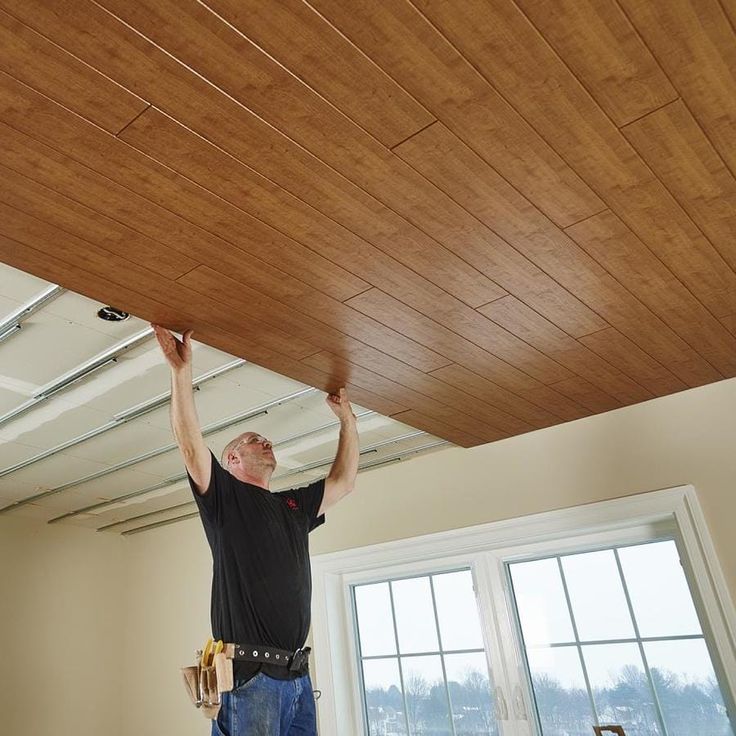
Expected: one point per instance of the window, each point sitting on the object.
(422, 660)
(612, 637)
(588, 620)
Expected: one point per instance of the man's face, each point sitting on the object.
(253, 451)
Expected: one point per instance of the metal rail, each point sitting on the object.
(210, 429)
(77, 374)
(383, 461)
(121, 418)
(182, 476)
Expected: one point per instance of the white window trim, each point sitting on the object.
(334, 573)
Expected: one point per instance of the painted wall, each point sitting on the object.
(61, 621)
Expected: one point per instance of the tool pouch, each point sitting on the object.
(205, 684)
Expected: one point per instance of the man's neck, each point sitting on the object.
(262, 480)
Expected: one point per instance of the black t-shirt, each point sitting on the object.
(261, 574)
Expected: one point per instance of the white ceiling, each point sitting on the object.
(64, 334)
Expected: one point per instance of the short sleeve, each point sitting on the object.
(210, 503)
(307, 500)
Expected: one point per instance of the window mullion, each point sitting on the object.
(398, 657)
(442, 656)
(577, 642)
(637, 633)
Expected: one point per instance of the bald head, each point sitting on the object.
(248, 453)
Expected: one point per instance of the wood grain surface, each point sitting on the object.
(484, 218)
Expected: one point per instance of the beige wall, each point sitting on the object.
(61, 620)
(685, 438)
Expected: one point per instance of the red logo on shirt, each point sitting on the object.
(291, 503)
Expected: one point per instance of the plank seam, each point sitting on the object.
(130, 122)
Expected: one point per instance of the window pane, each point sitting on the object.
(457, 611)
(597, 596)
(659, 592)
(375, 623)
(559, 691)
(686, 687)
(621, 690)
(383, 697)
(415, 621)
(541, 602)
(426, 696)
(470, 694)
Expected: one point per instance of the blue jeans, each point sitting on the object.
(264, 706)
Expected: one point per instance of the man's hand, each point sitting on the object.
(178, 353)
(184, 422)
(340, 405)
(341, 479)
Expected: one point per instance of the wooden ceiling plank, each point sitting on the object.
(466, 177)
(513, 315)
(327, 62)
(58, 210)
(437, 428)
(535, 80)
(29, 57)
(344, 371)
(402, 318)
(556, 402)
(510, 399)
(618, 350)
(446, 161)
(396, 36)
(164, 139)
(192, 36)
(437, 390)
(673, 144)
(495, 395)
(230, 230)
(105, 291)
(599, 44)
(322, 329)
(587, 394)
(618, 249)
(248, 270)
(696, 46)
(130, 58)
(148, 249)
(63, 246)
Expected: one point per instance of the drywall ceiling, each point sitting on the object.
(84, 416)
(485, 217)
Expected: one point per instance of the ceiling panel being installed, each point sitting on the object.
(85, 437)
(484, 217)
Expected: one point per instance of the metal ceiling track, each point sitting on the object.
(208, 430)
(13, 323)
(79, 373)
(123, 417)
(182, 476)
(398, 457)
(304, 468)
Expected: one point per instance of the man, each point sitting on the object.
(261, 582)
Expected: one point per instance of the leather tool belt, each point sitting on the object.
(294, 661)
(212, 674)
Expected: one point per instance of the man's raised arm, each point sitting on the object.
(341, 478)
(184, 421)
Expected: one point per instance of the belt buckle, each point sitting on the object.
(299, 659)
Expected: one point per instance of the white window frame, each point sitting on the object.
(486, 549)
